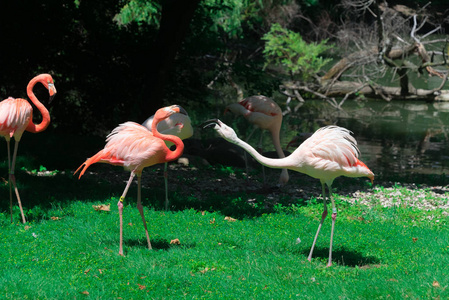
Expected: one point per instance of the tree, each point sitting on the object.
(218, 34)
(397, 49)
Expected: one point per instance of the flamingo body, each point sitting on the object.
(16, 116)
(133, 147)
(329, 153)
(265, 114)
(260, 111)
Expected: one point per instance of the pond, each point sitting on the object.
(395, 138)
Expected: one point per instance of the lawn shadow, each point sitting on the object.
(156, 244)
(343, 257)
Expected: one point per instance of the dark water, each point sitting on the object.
(394, 138)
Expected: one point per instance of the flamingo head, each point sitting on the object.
(165, 112)
(223, 130)
(370, 175)
(47, 81)
(363, 170)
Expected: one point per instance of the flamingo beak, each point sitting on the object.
(178, 109)
(182, 110)
(210, 123)
(52, 91)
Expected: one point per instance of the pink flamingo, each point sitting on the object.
(16, 116)
(177, 124)
(266, 114)
(132, 146)
(329, 153)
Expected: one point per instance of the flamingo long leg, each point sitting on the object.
(166, 184)
(245, 155)
(140, 208)
(261, 140)
(120, 211)
(323, 216)
(9, 179)
(334, 217)
(249, 136)
(260, 150)
(12, 178)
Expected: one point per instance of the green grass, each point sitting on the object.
(68, 250)
(378, 252)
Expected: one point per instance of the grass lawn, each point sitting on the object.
(69, 250)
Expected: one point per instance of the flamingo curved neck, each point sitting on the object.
(277, 163)
(45, 114)
(171, 155)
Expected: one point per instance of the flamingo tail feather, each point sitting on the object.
(90, 161)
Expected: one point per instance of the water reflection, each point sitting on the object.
(395, 138)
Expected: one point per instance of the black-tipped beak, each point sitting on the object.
(210, 123)
(182, 111)
(52, 91)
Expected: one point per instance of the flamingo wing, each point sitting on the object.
(261, 104)
(15, 114)
(260, 111)
(129, 145)
(330, 148)
(133, 144)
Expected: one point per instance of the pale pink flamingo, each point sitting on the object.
(16, 116)
(265, 114)
(329, 153)
(134, 147)
(177, 124)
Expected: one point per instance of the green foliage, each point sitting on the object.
(140, 11)
(286, 48)
(226, 15)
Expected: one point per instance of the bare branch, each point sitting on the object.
(431, 32)
(412, 33)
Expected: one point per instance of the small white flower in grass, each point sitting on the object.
(298, 240)
(34, 235)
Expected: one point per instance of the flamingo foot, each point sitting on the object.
(334, 217)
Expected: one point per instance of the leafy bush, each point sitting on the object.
(142, 12)
(286, 48)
